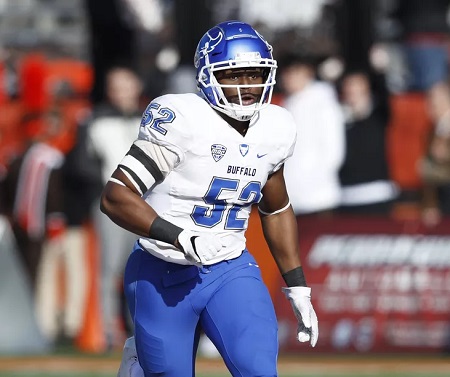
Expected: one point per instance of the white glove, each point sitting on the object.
(308, 326)
(199, 248)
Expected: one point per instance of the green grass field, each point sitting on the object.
(299, 374)
(295, 366)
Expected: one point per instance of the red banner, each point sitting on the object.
(378, 285)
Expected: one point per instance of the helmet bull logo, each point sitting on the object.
(207, 48)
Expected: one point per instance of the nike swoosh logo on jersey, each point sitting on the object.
(260, 155)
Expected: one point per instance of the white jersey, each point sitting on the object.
(216, 174)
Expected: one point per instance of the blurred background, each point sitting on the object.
(368, 84)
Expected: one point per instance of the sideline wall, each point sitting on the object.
(378, 285)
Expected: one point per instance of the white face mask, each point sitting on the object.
(239, 111)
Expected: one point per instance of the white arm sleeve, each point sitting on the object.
(147, 163)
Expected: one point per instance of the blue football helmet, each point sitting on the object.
(233, 44)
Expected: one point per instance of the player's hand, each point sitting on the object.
(199, 248)
(308, 325)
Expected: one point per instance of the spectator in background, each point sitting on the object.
(425, 34)
(312, 172)
(34, 204)
(3, 173)
(434, 168)
(366, 184)
(111, 37)
(113, 128)
(33, 194)
(64, 256)
(81, 185)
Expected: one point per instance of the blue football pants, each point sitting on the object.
(171, 303)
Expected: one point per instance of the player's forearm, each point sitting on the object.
(280, 232)
(127, 209)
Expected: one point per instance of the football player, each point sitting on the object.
(186, 187)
